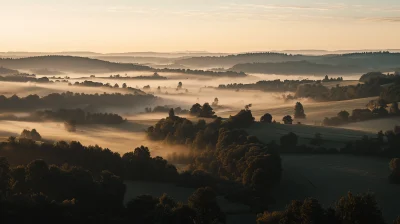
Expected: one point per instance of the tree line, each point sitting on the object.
(70, 99)
(79, 116)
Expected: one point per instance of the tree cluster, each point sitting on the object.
(268, 86)
(205, 111)
(33, 135)
(360, 208)
(69, 99)
(155, 76)
(79, 116)
(323, 93)
(23, 78)
(165, 109)
(136, 165)
(38, 192)
(375, 110)
(224, 151)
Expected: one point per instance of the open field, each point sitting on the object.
(315, 111)
(327, 177)
(333, 137)
(384, 124)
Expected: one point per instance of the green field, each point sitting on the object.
(327, 177)
(333, 137)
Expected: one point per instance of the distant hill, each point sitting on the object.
(295, 68)
(69, 64)
(6, 71)
(231, 60)
(89, 65)
(365, 61)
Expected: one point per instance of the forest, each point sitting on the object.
(70, 99)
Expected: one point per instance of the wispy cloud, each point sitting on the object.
(381, 19)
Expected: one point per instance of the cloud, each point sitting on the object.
(381, 19)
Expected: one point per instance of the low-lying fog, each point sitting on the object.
(127, 136)
(122, 138)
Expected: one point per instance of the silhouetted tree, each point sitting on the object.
(343, 115)
(33, 134)
(204, 202)
(215, 103)
(206, 111)
(361, 208)
(266, 118)
(195, 110)
(179, 85)
(124, 85)
(5, 176)
(289, 142)
(287, 119)
(299, 111)
(171, 113)
(394, 108)
(395, 168)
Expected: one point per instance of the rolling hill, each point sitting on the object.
(69, 64)
(261, 62)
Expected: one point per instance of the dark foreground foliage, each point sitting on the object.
(38, 192)
(361, 208)
(136, 165)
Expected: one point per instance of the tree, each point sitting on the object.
(287, 119)
(35, 135)
(266, 118)
(343, 115)
(299, 111)
(394, 108)
(215, 103)
(195, 110)
(4, 176)
(206, 111)
(395, 168)
(116, 85)
(171, 113)
(289, 141)
(179, 85)
(361, 208)
(124, 85)
(204, 202)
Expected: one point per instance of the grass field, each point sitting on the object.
(327, 177)
(333, 137)
(384, 124)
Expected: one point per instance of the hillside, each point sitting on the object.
(333, 137)
(231, 60)
(366, 61)
(6, 71)
(90, 65)
(296, 68)
(69, 64)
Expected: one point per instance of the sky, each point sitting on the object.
(198, 25)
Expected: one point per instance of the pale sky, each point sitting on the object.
(198, 25)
